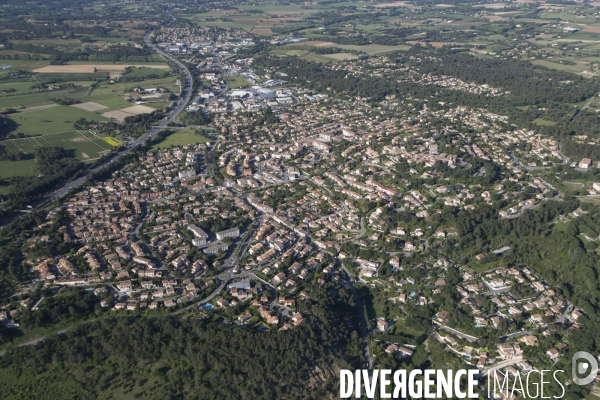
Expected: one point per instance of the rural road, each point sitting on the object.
(461, 335)
(186, 94)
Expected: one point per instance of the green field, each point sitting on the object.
(588, 199)
(51, 120)
(543, 122)
(158, 105)
(9, 169)
(400, 326)
(110, 101)
(87, 145)
(573, 185)
(561, 67)
(181, 138)
(144, 72)
(236, 82)
(19, 86)
(20, 100)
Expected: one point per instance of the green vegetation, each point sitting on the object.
(8, 169)
(237, 82)
(87, 146)
(182, 138)
(50, 120)
(22, 100)
(543, 122)
(145, 361)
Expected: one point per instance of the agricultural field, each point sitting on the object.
(181, 138)
(143, 72)
(16, 87)
(22, 100)
(8, 169)
(91, 68)
(50, 119)
(87, 145)
(110, 101)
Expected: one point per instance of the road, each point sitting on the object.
(503, 364)
(525, 208)
(514, 335)
(361, 232)
(186, 93)
(461, 335)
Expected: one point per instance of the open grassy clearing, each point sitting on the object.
(142, 72)
(18, 86)
(400, 326)
(21, 100)
(573, 185)
(110, 101)
(561, 67)
(181, 138)
(50, 120)
(8, 169)
(236, 82)
(543, 122)
(590, 199)
(159, 105)
(87, 145)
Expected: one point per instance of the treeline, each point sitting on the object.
(22, 30)
(194, 118)
(127, 53)
(137, 125)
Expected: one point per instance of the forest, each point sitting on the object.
(195, 359)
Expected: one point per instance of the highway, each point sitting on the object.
(186, 93)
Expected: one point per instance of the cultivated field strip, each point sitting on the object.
(86, 144)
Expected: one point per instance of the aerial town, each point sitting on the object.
(292, 191)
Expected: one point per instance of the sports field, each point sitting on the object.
(87, 145)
